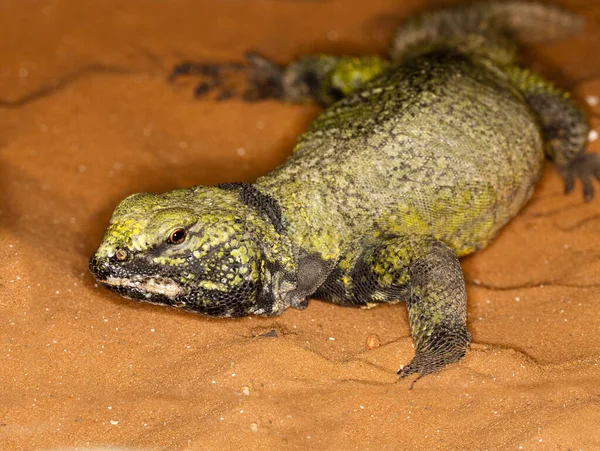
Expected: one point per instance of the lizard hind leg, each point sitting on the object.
(564, 128)
(428, 273)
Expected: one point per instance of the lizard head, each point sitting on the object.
(199, 249)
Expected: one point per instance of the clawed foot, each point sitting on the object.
(436, 357)
(585, 167)
(262, 78)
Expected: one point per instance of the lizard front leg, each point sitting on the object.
(428, 274)
(263, 78)
(322, 79)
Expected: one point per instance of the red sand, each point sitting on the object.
(87, 117)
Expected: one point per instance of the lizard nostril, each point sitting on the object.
(121, 255)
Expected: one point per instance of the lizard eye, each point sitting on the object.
(177, 236)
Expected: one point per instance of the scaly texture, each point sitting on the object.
(414, 165)
(501, 23)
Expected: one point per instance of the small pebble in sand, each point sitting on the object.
(592, 100)
(254, 427)
(114, 422)
(592, 135)
(246, 390)
(372, 342)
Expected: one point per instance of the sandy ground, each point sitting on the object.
(88, 117)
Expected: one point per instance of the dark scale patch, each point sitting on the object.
(312, 272)
(263, 203)
(368, 286)
(334, 290)
(235, 302)
(265, 301)
(208, 265)
(136, 265)
(361, 285)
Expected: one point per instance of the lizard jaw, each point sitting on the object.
(150, 286)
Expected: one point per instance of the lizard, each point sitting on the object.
(418, 159)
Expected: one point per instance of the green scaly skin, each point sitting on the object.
(418, 161)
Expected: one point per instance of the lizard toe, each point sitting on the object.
(442, 349)
(262, 78)
(585, 167)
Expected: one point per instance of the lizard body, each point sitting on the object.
(417, 160)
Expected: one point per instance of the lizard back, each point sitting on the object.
(417, 152)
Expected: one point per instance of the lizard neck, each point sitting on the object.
(312, 262)
(312, 227)
(312, 223)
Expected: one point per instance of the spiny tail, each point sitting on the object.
(500, 24)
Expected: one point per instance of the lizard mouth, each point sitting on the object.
(146, 286)
(158, 290)
(163, 286)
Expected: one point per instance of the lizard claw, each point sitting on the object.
(448, 349)
(585, 167)
(262, 77)
(425, 363)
